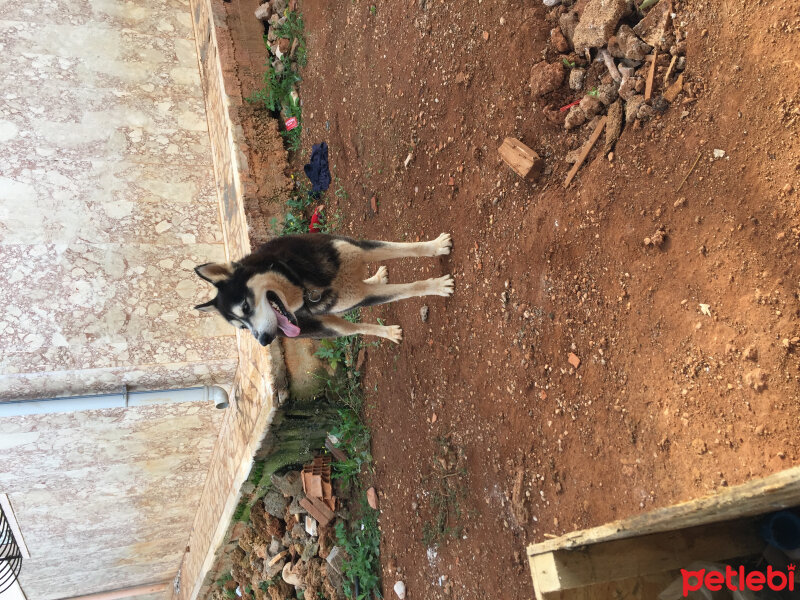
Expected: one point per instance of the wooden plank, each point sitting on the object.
(522, 160)
(669, 70)
(637, 588)
(760, 496)
(322, 507)
(645, 555)
(648, 88)
(315, 512)
(673, 90)
(587, 147)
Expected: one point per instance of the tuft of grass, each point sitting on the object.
(568, 64)
(362, 542)
(294, 29)
(446, 488)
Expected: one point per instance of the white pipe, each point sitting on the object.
(18, 408)
(124, 593)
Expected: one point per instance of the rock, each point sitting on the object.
(275, 546)
(400, 589)
(290, 576)
(613, 126)
(627, 45)
(750, 353)
(756, 379)
(607, 93)
(273, 570)
(645, 112)
(576, 77)
(554, 115)
(591, 106)
(288, 484)
(574, 360)
(597, 23)
(567, 23)
(264, 11)
(680, 64)
(278, 6)
(699, 446)
(573, 156)
(558, 41)
(284, 45)
(546, 77)
(423, 313)
(551, 3)
(294, 507)
(298, 531)
(372, 498)
(275, 503)
(656, 25)
(628, 87)
(575, 118)
(309, 551)
(632, 106)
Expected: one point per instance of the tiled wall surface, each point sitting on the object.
(107, 201)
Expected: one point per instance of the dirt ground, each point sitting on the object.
(661, 408)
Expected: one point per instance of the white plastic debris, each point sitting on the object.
(705, 309)
(400, 589)
(311, 526)
(719, 153)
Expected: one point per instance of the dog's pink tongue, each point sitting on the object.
(287, 327)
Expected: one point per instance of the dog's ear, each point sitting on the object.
(206, 306)
(214, 272)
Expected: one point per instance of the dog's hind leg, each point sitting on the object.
(381, 277)
(391, 292)
(375, 251)
(330, 326)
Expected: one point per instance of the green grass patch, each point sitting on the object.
(362, 542)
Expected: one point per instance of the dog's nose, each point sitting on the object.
(264, 339)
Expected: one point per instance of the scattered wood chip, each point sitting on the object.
(522, 160)
(648, 89)
(672, 91)
(585, 152)
(669, 69)
(373, 202)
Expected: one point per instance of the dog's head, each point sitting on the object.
(259, 301)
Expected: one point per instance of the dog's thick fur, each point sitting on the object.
(305, 281)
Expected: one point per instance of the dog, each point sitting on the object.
(298, 285)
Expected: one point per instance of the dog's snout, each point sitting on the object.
(264, 339)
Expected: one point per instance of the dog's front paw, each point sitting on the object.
(393, 333)
(443, 285)
(442, 244)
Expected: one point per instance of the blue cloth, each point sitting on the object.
(317, 169)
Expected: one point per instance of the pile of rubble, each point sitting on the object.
(628, 63)
(285, 552)
(274, 14)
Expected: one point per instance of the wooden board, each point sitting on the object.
(587, 147)
(757, 497)
(646, 555)
(522, 160)
(648, 90)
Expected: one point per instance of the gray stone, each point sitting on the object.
(597, 23)
(632, 106)
(309, 551)
(423, 313)
(275, 503)
(275, 546)
(295, 508)
(627, 45)
(607, 93)
(645, 112)
(568, 22)
(575, 118)
(288, 484)
(628, 87)
(576, 77)
(299, 531)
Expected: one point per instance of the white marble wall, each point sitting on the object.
(107, 201)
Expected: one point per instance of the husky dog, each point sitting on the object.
(297, 285)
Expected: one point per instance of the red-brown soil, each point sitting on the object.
(661, 408)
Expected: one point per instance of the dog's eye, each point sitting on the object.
(245, 307)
